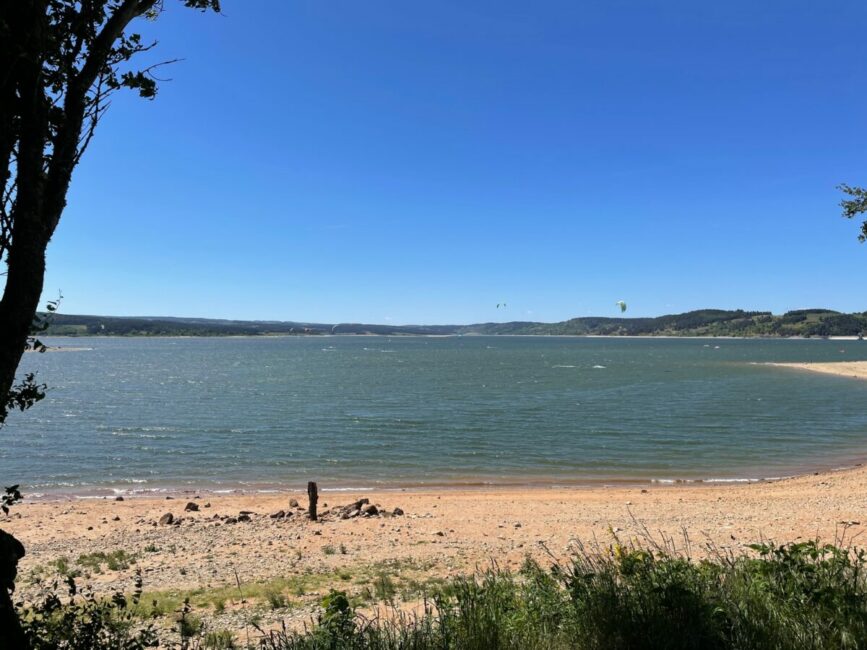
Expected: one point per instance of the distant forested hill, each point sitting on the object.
(70, 325)
(705, 322)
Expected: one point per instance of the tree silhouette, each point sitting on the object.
(60, 61)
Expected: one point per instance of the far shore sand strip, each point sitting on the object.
(853, 369)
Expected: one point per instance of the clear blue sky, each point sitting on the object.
(421, 162)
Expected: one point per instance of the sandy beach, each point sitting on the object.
(439, 534)
(853, 369)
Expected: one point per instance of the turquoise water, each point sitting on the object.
(258, 413)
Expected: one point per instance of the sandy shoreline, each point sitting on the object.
(532, 482)
(853, 369)
(440, 534)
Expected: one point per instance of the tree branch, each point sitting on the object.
(66, 140)
(855, 206)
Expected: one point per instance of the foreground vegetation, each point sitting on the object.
(798, 596)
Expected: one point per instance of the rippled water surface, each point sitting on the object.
(362, 411)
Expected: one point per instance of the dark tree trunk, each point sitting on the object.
(30, 234)
(19, 304)
(11, 635)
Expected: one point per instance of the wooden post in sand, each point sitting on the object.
(313, 496)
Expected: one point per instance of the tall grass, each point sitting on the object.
(798, 596)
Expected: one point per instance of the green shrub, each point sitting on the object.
(115, 560)
(189, 625)
(276, 599)
(383, 588)
(222, 640)
(85, 622)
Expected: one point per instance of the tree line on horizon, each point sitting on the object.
(703, 322)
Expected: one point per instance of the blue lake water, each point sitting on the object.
(258, 413)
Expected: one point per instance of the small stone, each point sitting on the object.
(279, 514)
(244, 517)
(397, 512)
(191, 507)
(118, 498)
(293, 503)
(644, 491)
(246, 512)
(169, 498)
(167, 519)
(116, 518)
(369, 510)
(440, 533)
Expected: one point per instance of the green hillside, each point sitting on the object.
(705, 322)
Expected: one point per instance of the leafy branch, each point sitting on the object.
(855, 206)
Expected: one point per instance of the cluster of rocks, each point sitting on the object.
(244, 515)
(169, 519)
(364, 508)
(285, 514)
(360, 508)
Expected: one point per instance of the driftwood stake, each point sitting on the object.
(313, 496)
